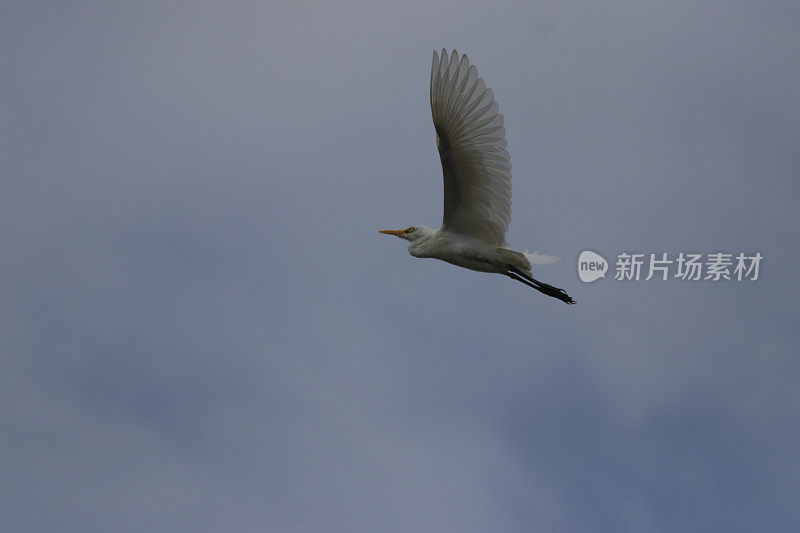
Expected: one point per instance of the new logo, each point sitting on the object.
(591, 266)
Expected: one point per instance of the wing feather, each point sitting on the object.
(472, 146)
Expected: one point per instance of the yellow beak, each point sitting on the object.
(395, 232)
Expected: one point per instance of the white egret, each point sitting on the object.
(477, 180)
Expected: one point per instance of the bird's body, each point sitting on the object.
(464, 251)
(477, 180)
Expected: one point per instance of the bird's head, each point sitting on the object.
(414, 233)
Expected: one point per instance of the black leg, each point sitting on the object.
(544, 288)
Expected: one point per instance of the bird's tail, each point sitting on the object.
(536, 258)
(526, 261)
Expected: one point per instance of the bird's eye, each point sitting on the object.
(409, 230)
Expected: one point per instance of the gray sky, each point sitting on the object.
(203, 331)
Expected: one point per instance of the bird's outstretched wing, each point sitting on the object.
(472, 146)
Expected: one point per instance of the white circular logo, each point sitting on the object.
(591, 266)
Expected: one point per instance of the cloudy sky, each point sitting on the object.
(201, 329)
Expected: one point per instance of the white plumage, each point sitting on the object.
(472, 146)
(477, 180)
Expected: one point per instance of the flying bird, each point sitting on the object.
(477, 181)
